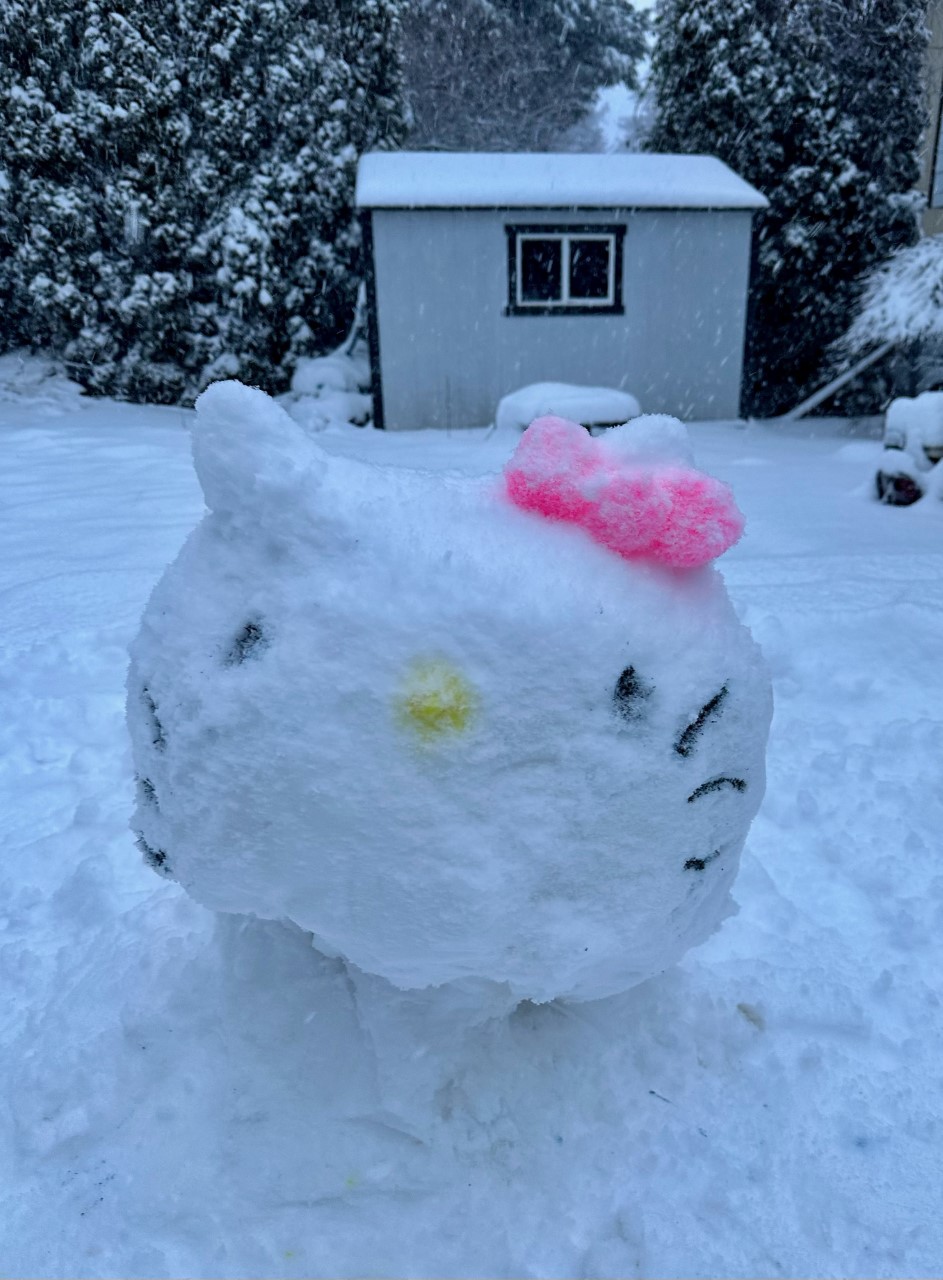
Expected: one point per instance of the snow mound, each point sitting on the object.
(38, 384)
(455, 741)
(587, 405)
(330, 393)
(331, 410)
(340, 371)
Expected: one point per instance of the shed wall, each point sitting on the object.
(448, 351)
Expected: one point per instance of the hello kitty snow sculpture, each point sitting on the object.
(504, 730)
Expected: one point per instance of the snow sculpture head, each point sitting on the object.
(438, 721)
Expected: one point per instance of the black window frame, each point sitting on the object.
(615, 232)
(935, 191)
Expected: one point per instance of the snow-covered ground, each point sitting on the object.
(183, 1095)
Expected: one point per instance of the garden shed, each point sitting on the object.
(487, 272)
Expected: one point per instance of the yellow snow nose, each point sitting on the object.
(435, 700)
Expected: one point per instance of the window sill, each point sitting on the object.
(564, 310)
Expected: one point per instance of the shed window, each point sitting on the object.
(565, 269)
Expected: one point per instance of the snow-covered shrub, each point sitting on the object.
(456, 740)
(902, 300)
(330, 409)
(176, 201)
(333, 390)
(340, 371)
(820, 105)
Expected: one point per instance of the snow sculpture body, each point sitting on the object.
(462, 730)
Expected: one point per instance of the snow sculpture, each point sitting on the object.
(463, 731)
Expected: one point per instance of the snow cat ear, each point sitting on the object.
(250, 457)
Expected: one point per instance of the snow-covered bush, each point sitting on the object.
(332, 391)
(176, 199)
(456, 740)
(902, 300)
(329, 409)
(340, 371)
(819, 104)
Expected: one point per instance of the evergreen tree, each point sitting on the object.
(176, 194)
(506, 75)
(879, 47)
(818, 104)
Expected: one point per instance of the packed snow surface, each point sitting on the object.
(528, 180)
(589, 405)
(192, 1094)
(453, 740)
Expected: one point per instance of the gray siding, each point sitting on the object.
(448, 351)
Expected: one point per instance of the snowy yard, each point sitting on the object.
(190, 1096)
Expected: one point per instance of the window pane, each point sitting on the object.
(589, 268)
(540, 270)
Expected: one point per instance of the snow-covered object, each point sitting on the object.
(588, 405)
(456, 741)
(913, 440)
(333, 409)
(338, 371)
(639, 507)
(528, 180)
(899, 481)
(916, 424)
(330, 392)
(37, 382)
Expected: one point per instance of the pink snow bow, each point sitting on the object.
(643, 510)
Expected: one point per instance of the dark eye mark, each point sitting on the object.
(717, 784)
(146, 790)
(698, 864)
(686, 743)
(630, 695)
(157, 729)
(247, 644)
(155, 858)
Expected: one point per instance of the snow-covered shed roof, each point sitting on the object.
(528, 180)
